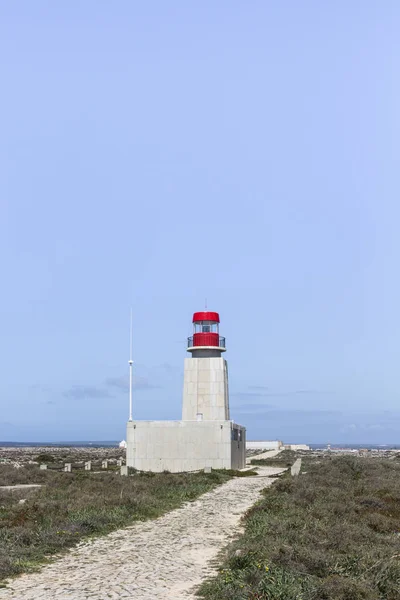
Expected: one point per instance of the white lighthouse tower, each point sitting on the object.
(205, 385)
(205, 437)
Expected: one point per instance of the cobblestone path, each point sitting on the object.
(266, 454)
(152, 560)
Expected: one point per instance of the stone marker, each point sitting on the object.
(120, 462)
(68, 467)
(104, 464)
(124, 470)
(42, 467)
(295, 468)
(88, 465)
(207, 469)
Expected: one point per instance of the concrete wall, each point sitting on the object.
(205, 390)
(181, 445)
(265, 445)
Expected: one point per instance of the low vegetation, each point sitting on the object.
(283, 460)
(71, 506)
(9, 475)
(234, 473)
(332, 533)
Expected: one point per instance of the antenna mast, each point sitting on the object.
(130, 370)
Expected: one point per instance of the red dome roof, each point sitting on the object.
(206, 316)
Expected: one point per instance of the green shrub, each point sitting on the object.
(329, 534)
(44, 457)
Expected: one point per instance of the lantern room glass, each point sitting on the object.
(206, 327)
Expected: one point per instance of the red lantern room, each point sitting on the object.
(206, 333)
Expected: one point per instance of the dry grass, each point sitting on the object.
(331, 534)
(9, 475)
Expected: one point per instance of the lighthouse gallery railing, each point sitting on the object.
(190, 343)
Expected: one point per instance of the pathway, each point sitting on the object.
(152, 560)
(266, 454)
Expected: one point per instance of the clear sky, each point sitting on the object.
(157, 153)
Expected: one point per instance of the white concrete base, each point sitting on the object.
(178, 446)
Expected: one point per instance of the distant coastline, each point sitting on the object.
(81, 444)
(356, 446)
(114, 443)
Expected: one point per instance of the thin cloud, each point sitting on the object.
(259, 387)
(122, 383)
(168, 367)
(285, 394)
(252, 407)
(378, 424)
(294, 416)
(83, 392)
(249, 394)
(39, 387)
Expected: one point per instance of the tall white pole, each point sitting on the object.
(130, 372)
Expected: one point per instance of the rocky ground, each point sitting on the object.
(29, 455)
(161, 559)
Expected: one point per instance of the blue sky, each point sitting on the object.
(153, 154)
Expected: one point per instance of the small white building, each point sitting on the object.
(264, 445)
(205, 437)
(296, 447)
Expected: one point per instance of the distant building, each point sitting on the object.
(296, 447)
(274, 445)
(264, 445)
(122, 444)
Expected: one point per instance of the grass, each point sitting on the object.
(330, 534)
(71, 506)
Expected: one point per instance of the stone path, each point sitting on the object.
(266, 454)
(153, 560)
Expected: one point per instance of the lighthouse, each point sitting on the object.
(205, 437)
(205, 383)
